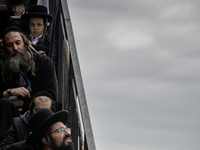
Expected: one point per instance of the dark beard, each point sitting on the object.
(17, 64)
(63, 146)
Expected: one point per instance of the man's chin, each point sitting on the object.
(70, 146)
(66, 145)
(68, 140)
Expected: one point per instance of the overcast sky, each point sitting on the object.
(140, 63)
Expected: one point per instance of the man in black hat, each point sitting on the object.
(19, 130)
(48, 130)
(22, 75)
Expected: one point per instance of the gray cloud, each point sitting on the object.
(140, 64)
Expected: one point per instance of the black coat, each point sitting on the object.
(45, 79)
(17, 134)
(3, 21)
(43, 46)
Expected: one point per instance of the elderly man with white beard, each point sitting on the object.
(22, 74)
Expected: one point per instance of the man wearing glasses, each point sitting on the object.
(19, 130)
(48, 131)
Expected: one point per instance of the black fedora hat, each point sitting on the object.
(41, 121)
(37, 11)
(14, 2)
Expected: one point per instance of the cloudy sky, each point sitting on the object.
(140, 63)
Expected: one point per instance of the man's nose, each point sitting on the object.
(14, 46)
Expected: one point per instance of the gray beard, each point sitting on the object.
(20, 63)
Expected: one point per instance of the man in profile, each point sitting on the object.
(49, 132)
(22, 75)
(19, 130)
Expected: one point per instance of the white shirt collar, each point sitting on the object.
(33, 41)
(21, 14)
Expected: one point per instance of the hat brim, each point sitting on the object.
(33, 138)
(7, 2)
(26, 17)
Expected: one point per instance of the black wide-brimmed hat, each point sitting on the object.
(14, 2)
(41, 121)
(37, 11)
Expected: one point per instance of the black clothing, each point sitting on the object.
(6, 116)
(43, 46)
(17, 134)
(3, 21)
(45, 80)
(32, 2)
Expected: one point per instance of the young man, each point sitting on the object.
(48, 130)
(19, 130)
(22, 75)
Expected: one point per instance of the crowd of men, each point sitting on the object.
(30, 114)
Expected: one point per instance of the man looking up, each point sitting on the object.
(19, 130)
(22, 75)
(49, 131)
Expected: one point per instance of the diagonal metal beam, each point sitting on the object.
(78, 79)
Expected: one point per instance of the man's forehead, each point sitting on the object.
(12, 36)
(44, 101)
(57, 125)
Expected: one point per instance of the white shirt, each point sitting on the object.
(33, 41)
(21, 14)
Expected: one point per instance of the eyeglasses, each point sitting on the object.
(61, 130)
(37, 25)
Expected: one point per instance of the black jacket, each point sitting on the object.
(44, 80)
(43, 46)
(17, 134)
(3, 21)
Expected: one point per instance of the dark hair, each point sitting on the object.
(47, 135)
(4, 56)
(39, 94)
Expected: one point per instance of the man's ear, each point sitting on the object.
(45, 141)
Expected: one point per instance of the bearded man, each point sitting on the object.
(49, 132)
(22, 75)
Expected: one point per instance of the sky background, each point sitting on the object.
(140, 64)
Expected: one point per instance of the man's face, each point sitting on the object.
(14, 43)
(39, 104)
(60, 140)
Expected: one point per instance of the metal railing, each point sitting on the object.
(72, 94)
